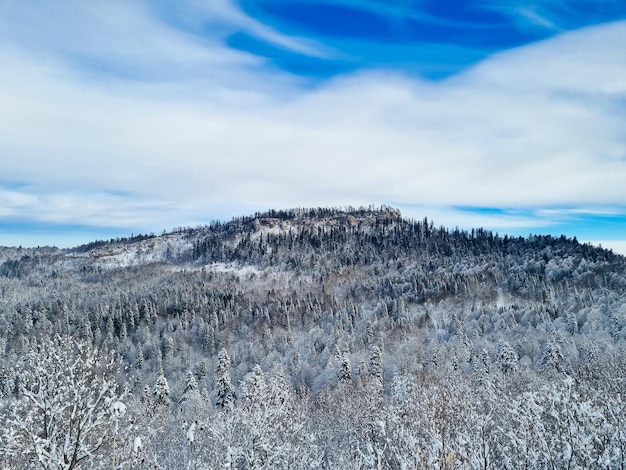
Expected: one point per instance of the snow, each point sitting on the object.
(137, 445)
(241, 271)
(191, 433)
(500, 301)
(152, 250)
(118, 409)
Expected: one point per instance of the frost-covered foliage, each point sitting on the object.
(224, 390)
(66, 412)
(317, 338)
(161, 392)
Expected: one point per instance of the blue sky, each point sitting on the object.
(133, 117)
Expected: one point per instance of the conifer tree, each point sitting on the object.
(254, 388)
(552, 358)
(161, 392)
(345, 368)
(139, 358)
(191, 385)
(507, 357)
(224, 390)
(376, 364)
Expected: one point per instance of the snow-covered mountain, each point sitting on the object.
(366, 323)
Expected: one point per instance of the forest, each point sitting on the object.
(317, 338)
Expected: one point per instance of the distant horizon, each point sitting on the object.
(118, 116)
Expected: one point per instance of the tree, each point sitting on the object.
(507, 357)
(254, 389)
(161, 392)
(376, 365)
(552, 358)
(192, 391)
(376, 418)
(224, 390)
(345, 368)
(67, 412)
(266, 430)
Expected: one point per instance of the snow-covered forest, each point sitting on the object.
(314, 338)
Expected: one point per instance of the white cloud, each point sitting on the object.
(618, 246)
(501, 222)
(539, 126)
(113, 36)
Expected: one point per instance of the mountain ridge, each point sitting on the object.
(271, 222)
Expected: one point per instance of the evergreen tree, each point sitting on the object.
(482, 372)
(224, 390)
(161, 392)
(376, 364)
(507, 357)
(191, 383)
(139, 358)
(254, 388)
(345, 368)
(169, 352)
(552, 358)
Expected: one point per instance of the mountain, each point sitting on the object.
(332, 304)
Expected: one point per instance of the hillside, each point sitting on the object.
(396, 343)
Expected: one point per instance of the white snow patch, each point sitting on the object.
(242, 271)
(137, 445)
(191, 433)
(500, 301)
(152, 250)
(118, 409)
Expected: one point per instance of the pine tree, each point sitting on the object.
(224, 390)
(376, 364)
(254, 388)
(507, 357)
(345, 368)
(161, 392)
(552, 357)
(481, 371)
(191, 391)
(169, 352)
(139, 358)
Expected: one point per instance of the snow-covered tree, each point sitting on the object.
(552, 358)
(161, 392)
(507, 357)
(191, 397)
(224, 390)
(266, 431)
(572, 423)
(68, 413)
(376, 364)
(345, 368)
(254, 389)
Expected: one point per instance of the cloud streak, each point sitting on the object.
(165, 127)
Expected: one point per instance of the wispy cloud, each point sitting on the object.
(226, 14)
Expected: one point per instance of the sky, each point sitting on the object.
(122, 117)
